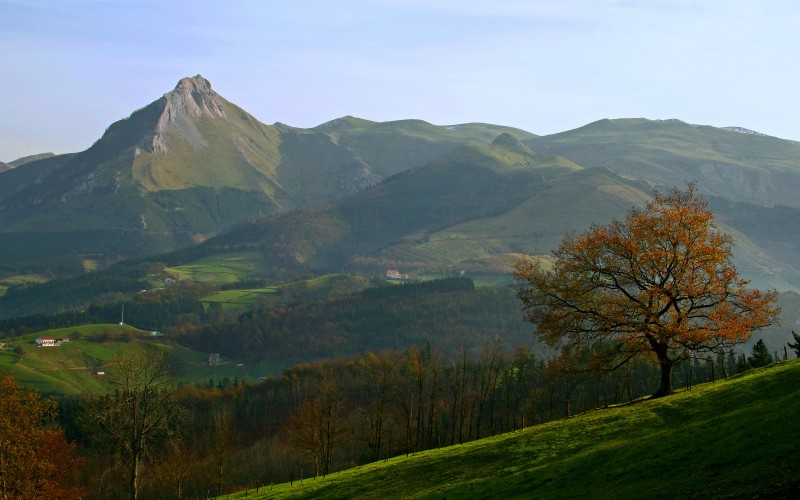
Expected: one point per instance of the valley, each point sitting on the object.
(357, 275)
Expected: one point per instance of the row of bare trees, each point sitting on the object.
(153, 439)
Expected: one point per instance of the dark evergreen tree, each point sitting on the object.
(760, 356)
(796, 345)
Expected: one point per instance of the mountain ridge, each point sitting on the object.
(190, 165)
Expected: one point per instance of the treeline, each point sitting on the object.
(450, 313)
(73, 293)
(321, 417)
(150, 310)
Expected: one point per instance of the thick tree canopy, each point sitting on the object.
(662, 283)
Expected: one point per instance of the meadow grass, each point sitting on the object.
(239, 298)
(730, 439)
(71, 368)
(221, 269)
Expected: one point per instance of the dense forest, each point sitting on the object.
(451, 313)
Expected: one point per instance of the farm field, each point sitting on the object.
(329, 285)
(221, 269)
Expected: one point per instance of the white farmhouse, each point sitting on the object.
(46, 341)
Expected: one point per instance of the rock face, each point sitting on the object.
(191, 99)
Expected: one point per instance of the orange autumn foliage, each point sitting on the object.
(661, 282)
(35, 460)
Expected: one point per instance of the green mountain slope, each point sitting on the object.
(730, 439)
(472, 209)
(747, 167)
(191, 165)
(396, 146)
(470, 182)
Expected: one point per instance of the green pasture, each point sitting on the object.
(238, 298)
(71, 368)
(221, 269)
(328, 285)
(730, 439)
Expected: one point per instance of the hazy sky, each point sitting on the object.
(70, 68)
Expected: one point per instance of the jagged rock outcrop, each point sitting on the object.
(191, 99)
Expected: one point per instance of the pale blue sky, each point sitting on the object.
(70, 68)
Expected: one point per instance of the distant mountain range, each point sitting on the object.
(353, 195)
(190, 165)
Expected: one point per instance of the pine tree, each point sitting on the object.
(796, 345)
(761, 355)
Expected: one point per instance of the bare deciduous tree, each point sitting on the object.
(136, 415)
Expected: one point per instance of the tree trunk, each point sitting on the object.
(134, 476)
(666, 377)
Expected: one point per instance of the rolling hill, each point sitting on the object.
(78, 365)
(353, 195)
(472, 209)
(732, 163)
(730, 439)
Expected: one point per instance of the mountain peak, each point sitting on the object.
(191, 99)
(196, 83)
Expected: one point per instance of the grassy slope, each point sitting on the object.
(571, 202)
(744, 167)
(70, 368)
(219, 268)
(322, 287)
(732, 439)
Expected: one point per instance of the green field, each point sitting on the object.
(72, 367)
(221, 269)
(733, 439)
(326, 286)
(493, 280)
(238, 298)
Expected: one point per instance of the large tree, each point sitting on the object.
(660, 283)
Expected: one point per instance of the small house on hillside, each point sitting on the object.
(46, 341)
(394, 274)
